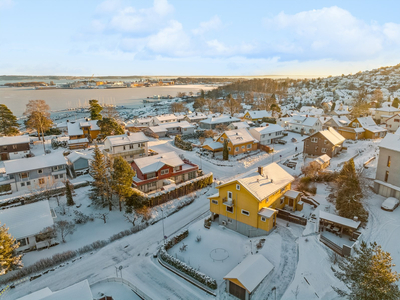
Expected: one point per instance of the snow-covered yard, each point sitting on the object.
(116, 290)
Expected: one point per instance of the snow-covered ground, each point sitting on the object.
(116, 290)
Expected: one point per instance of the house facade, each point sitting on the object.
(384, 113)
(157, 120)
(267, 135)
(181, 128)
(35, 173)
(129, 146)
(155, 172)
(239, 141)
(387, 180)
(83, 128)
(327, 142)
(362, 128)
(335, 122)
(14, 147)
(79, 162)
(393, 123)
(256, 115)
(302, 125)
(214, 122)
(248, 204)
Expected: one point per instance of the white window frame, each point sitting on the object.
(230, 207)
(245, 212)
(314, 140)
(264, 219)
(231, 195)
(323, 150)
(214, 202)
(238, 187)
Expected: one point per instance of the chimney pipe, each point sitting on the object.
(261, 171)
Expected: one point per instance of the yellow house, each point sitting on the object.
(83, 128)
(256, 115)
(248, 204)
(239, 141)
(362, 128)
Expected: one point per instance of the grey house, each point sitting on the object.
(387, 181)
(78, 162)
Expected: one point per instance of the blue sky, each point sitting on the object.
(193, 37)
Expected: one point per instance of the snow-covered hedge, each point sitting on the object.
(182, 144)
(181, 266)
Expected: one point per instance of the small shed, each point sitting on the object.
(78, 162)
(292, 199)
(246, 276)
(78, 143)
(343, 224)
(321, 162)
(213, 147)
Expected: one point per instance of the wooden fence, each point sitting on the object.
(285, 215)
(331, 245)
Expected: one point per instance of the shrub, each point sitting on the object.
(81, 218)
(182, 144)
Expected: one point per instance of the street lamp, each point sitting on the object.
(274, 290)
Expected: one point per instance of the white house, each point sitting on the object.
(35, 173)
(129, 146)
(213, 122)
(182, 128)
(384, 113)
(268, 134)
(239, 125)
(25, 222)
(393, 123)
(157, 120)
(311, 111)
(195, 117)
(141, 122)
(299, 124)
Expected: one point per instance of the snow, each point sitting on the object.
(259, 114)
(333, 136)
(339, 220)
(391, 142)
(34, 163)
(292, 194)
(117, 290)
(239, 136)
(78, 141)
(268, 129)
(123, 139)
(13, 140)
(219, 120)
(267, 212)
(390, 203)
(156, 162)
(75, 155)
(27, 220)
(251, 271)
(39, 295)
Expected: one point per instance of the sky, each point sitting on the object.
(197, 37)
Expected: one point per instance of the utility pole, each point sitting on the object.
(163, 230)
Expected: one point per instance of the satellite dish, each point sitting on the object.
(120, 267)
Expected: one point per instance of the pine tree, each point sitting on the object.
(122, 179)
(368, 274)
(396, 102)
(9, 260)
(98, 171)
(110, 126)
(68, 194)
(225, 152)
(333, 106)
(95, 110)
(8, 122)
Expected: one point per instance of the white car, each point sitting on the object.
(390, 204)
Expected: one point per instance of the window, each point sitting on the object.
(28, 183)
(245, 212)
(192, 175)
(314, 140)
(40, 171)
(325, 142)
(163, 172)
(14, 147)
(214, 202)
(237, 149)
(323, 150)
(316, 148)
(55, 176)
(229, 195)
(229, 209)
(386, 176)
(22, 242)
(248, 146)
(130, 146)
(282, 200)
(5, 148)
(222, 139)
(238, 187)
(243, 147)
(388, 161)
(264, 219)
(396, 120)
(229, 148)
(22, 183)
(151, 175)
(123, 147)
(24, 175)
(61, 175)
(41, 180)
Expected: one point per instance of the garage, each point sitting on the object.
(237, 291)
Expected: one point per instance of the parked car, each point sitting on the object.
(390, 204)
(283, 142)
(294, 140)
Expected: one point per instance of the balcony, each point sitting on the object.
(228, 202)
(129, 152)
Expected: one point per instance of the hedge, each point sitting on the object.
(181, 266)
(181, 144)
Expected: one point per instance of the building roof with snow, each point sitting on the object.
(154, 163)
(220, 120)
(339, 220)
(391, 142)
(124, 139)
(258, 114)
(239, 125)
(251, 271)
(75, 155)
(388, 109)
(239, 136)
(273, 178)
(14, 140)
(75, 127)
(34, 163)
(196, 116)
(331, 135)
(166, 118)
(269, 128)
(322, 159)
(27, 220)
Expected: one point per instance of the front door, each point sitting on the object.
(4, 156)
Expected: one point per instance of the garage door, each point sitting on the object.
(384, 191)
(237, 291)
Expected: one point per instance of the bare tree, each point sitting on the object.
(232, 105)
(102, 216)
(46, 235)
(178, 107)
(64, 228)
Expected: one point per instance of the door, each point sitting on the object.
(290, 202)
(4, 156)
(237, 291)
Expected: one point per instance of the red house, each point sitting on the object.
(155, 172)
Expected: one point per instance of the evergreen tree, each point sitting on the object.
(225, 152)
(109, 126)
(68, 194)
(368, 274)
(333, 106)
(396, 102)
(98, 171)
(122, 179)
(9, 260)
(95, 110)
(8, 122)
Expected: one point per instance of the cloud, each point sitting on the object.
(4, 4)
(108, 6)
(213, 24)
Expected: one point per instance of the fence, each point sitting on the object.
(291, 218)
(331, 245)
(134, 288)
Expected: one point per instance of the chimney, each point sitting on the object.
(272, 180)
(355, 219)
(261, 171)
(67, 121)
(237, 133)
(128, 133)
(87, 119)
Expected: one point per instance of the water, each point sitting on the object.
(59, 99)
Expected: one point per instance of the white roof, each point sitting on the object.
(332, 135)
(27, 220)
(322, 159)
(165, 117)
(34, 163)
(397, 131)
(292, 194)
(369, 124)
(251, 271)
(239, 125)
(75, 155)
(259, 114)
(13, 140)
(220, 119)
(266, 212)
(262, 186)
(74, 127)
(306, 121)
(391, 142)
(388, 109)
(156, 162)
(78, 141)
(339, 220)
(268, 129)
(196, 116)
(156, 129)
(239, 136)
(38, 295)
(214, 145)
(181, 124)
(123, 139)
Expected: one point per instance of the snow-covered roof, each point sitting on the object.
(78, 291)
(251, 271)
(78, 141)
(239, 125)
(262, 186)
(369, 124)
(266, 212)
(124, 139)
(214, 145)
(181, 124)
(332, 135)
(397, 131)
(239, 136)
(292, 194)
(391, 142)
(156, 162)
(306, 121)
(259, 114)
(165, 117)
(34, 163)
(388, 109)
(74, 127)
(13, 140)
(268, 129)
(322, 159)
(75, 155)
(156, 129)
(220, 119)
(196, 116)
(339, 220)
(27, 220)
